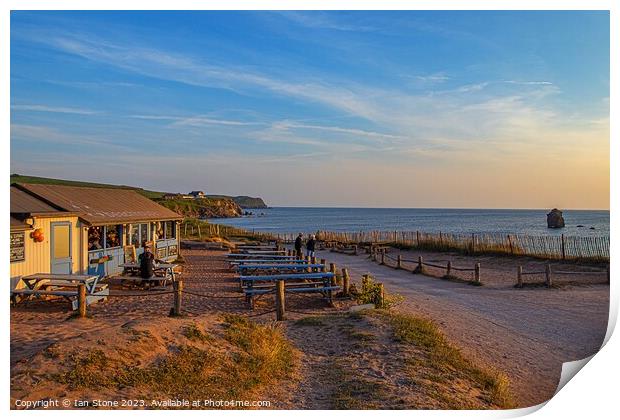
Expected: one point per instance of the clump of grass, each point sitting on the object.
(194, 333)
(259, 355)
(447, 359)
(370, 292)
(310, 321)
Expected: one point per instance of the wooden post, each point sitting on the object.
(324, 263)
(417, 238)
(354, 249)
(381, 296)
(548, 275)
(399, 263)
(449, 269)
(280, 304)
(199, 234)
(82, 300)
(477, 273)
(520, 276)
(510, 245)
(382, 256)
(178, 293)
(563, 248)
(420, 268)
(473, 243)
(345, 282)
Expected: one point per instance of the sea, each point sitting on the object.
(528, 222)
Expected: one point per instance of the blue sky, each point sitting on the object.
(403, 109)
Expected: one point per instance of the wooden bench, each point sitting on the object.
(137, 279)
(322, 284)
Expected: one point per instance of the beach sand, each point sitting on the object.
(525, 333)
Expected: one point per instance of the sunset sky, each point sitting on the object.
(370, 109)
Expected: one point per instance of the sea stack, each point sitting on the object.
(555, 219)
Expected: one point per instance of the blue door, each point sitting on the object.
(60, 248)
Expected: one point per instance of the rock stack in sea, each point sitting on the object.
(555, 219)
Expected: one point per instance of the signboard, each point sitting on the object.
(130, 254)
(18, 248)
(161, 253)
(172, 250)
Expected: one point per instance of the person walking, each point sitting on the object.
(310, 246)
(298, 244)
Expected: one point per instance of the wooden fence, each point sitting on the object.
(595, 248)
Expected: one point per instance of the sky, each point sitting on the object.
(433, 109)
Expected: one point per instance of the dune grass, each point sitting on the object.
(256, 355)
(446, 360)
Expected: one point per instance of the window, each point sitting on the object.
(144, 233)
(170, 230)
(113, 236)
(134, 236)
(95, 238)
(61, 245)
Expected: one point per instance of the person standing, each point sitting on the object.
(298, 243)
(310, 246)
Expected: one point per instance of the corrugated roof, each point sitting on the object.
(24, 203)
(102, 205)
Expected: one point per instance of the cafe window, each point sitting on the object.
(113, 236)
(137, 234)
(144, 233)
(95, 238)
(159, 226)
(170, 230)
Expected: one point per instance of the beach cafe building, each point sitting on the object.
(79, 230)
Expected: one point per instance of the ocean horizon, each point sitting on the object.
(482, 221)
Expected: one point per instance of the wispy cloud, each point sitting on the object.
(54, 109)
(196, 121)
(320, 20)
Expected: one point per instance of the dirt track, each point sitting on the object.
(527, 333)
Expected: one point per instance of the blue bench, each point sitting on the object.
(244, 268)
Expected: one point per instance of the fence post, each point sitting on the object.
(178, 292)
(417, 238)
(383, 257)
(354, 249)
(563, 248)
(420, 268)
(520, 276)
(280, 303)
(345, 282)
(477, 273)
(313, 262)
(399, 262)
(449, 269)
(324, 263)
(381, 298)
(82, 300)
(199, 234)
(548, 275)
(473, 243)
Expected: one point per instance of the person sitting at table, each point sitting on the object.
(147, 263)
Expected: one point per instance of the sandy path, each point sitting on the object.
(526, 333)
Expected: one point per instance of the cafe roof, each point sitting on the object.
(24, 205)
(99, 206)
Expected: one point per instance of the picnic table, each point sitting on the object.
(62, 285)
(258, 247)
(163, 272)
(253, 268)
(292, 260)
(259, 255)
(320, 282)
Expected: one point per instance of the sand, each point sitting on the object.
(525, 333)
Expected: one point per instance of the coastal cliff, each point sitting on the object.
(244, 201)
(204, 208)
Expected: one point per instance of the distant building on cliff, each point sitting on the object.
(197, 194)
